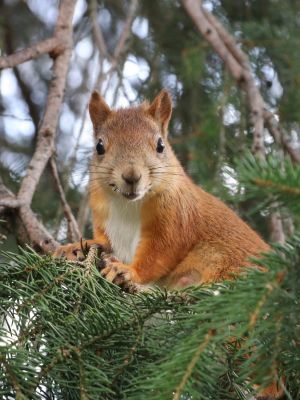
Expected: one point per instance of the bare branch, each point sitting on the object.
(126, 30)
(6, 197)
(47, 131)
(237, 63)
(44, 47)
(9, 202)
(247, 82)
(73, 230)
(35, 231)
(195, 11)
(276, 228)
(60, 47)
(25, 89)
(97, 31)
(83, 212)
(278, 135)
(120, 46)
(229, 40)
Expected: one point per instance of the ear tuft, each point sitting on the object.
(161, 109)
(99, 110)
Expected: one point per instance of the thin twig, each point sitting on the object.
(73, 230)
(191, 365)
(126, 30)
(121, 44)
(12, 378)
(97, 31)
(278, 135)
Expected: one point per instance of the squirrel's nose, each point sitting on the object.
(131, 178)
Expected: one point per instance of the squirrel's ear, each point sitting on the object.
(98, 109)
(161, 109)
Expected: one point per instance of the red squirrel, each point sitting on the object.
(161, 227)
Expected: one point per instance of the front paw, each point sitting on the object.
(119, 274)
(72, 252)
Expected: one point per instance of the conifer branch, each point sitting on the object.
(265, 183)
(159, 341)
(191, 365)
(12, 378)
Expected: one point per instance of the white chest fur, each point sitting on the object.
(123, 227)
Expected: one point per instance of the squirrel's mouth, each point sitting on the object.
(132, 195)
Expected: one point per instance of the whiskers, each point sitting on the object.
(156, 177)
(163, 174)
(100, 176)
(165, 171)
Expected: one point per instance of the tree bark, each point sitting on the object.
(60, 49)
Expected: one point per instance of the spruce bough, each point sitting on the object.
(66, 333)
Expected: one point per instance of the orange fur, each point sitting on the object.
(186, 236)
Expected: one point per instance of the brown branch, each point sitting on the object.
(247, 82)
(120, 46)
(266, 183)
(6, 197)
(238, 64)
(196, 12)
(229, 40)
(12, 378)
(38, 235)
(97, 31)
(276, 227)
(32, 52)
(278, 135)
(126, 30)
(190, 367)
(73, 230)
(60, 47)
(26, 91)
(31, 228)
(10, 202)
(47, 131)
(83, 212)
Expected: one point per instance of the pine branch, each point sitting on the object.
(72, 332)
(270, 181)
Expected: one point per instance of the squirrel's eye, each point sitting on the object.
(160, 145)
(100, 147)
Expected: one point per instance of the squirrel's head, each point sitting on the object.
(132, 155)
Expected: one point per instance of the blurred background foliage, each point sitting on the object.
(210, 127)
